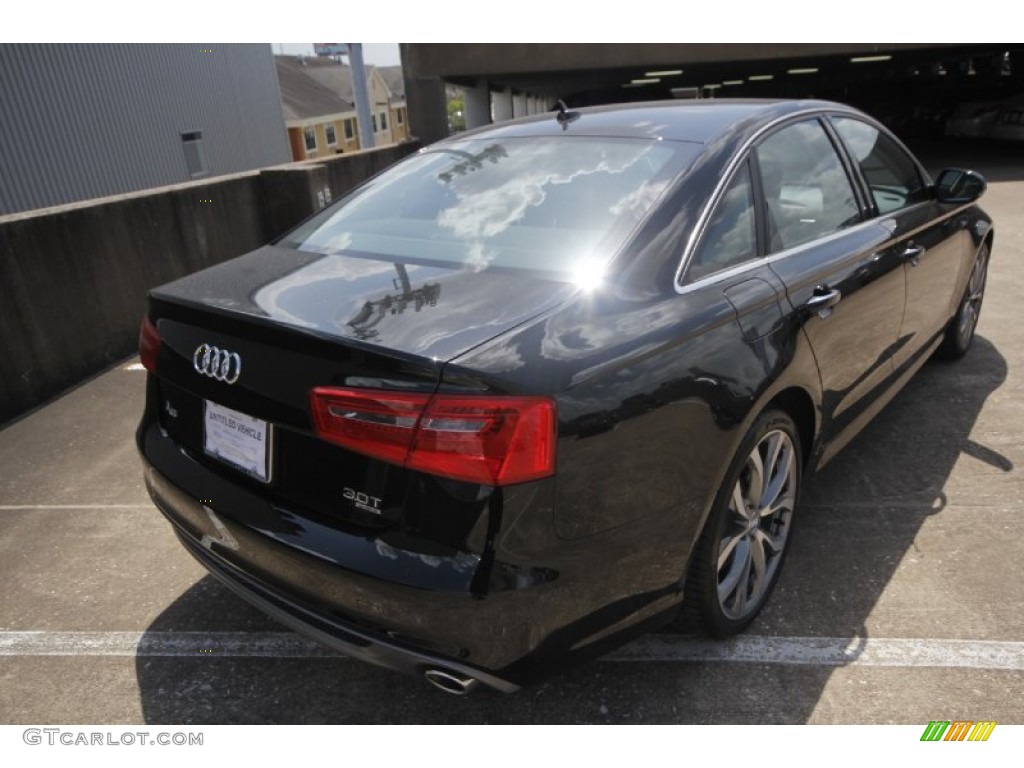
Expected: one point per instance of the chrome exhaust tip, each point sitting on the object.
(450, 682)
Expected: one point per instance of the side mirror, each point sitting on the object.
(958, 186)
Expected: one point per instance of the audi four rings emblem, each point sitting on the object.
(217, 363)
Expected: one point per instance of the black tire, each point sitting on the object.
(960, 331)
(710, 603)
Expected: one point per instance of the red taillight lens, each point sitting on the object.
(488, 440)
(149, 344)
(376, 423)
(491, 440)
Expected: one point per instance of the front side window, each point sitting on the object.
(543, 203)
(349, 130)
(310, 135)
(807, 193)
(891, 174)
(332, 137)
(731, 237)
(383, 121)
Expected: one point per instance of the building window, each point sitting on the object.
(398, 115)
(374, 119)
(332, 138)
(350, 131)
(195, 157)
(383, 121)
(310, 134)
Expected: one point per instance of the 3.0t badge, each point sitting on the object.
(363, 501)
(217, 363)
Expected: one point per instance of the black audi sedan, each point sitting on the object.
(549, 384)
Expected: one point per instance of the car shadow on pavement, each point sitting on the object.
(859, 523)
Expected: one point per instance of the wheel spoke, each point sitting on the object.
(772, 542)
(742, 587)
(783, 502)
(776, 442)
(757, 476)
(725, 548)
(739, 569)
(978, 275)
(758, 567)
(739, 503)
(781, 472)
(969, 321)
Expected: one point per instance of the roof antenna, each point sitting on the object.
(564, 116)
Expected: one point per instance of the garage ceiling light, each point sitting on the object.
(665, 73)
(645, 80)
(866, 59)
(712, 86)
(803, 71)
(761, 77)
(732, 82)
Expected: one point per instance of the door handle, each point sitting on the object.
(912, 253)
(823, 299)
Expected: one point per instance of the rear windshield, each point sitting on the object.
(552, 204)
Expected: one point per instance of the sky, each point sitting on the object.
(378, 54)
(539, 21)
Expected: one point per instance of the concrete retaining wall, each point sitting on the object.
(73, 279)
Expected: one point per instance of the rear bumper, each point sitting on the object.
(188, 515)
(523, 605)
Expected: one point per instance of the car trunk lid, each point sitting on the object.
(285, 322)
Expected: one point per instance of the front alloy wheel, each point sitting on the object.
(960, 331)
(738, 557)
(970, 308)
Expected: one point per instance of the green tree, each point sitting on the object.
(456, 114)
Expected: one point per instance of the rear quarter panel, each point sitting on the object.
(654, 394)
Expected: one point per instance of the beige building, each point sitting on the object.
(319, 106)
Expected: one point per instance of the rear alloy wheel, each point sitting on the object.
(737, 560)
(960, 331)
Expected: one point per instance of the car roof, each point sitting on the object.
(698, 121)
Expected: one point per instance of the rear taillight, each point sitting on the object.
(379, 424)
(149, 344)
(492, 440)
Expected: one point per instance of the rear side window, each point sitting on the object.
(891, 174)
(554, 204)
(807, 192)
(731, 237)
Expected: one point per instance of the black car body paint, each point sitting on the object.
(656, 379)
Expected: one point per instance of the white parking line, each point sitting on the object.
(830, 651)
(748, 649)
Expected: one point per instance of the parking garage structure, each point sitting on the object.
(911, 87)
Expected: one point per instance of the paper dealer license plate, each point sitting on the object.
(237, 439)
